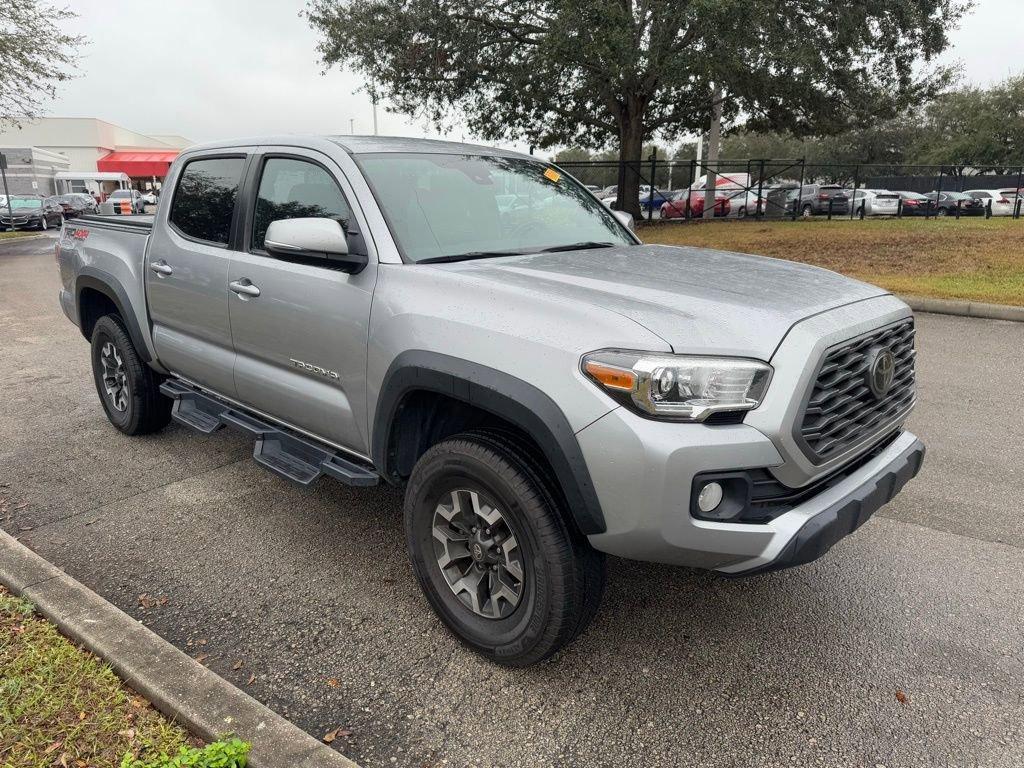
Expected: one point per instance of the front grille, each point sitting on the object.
(841, 410)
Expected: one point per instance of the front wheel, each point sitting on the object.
(494, 552)
(942, 212)
(43, 225)
(128, 388)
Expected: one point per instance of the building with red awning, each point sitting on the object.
(138, 164)
(98, 152)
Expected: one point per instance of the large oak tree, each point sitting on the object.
(597, 72)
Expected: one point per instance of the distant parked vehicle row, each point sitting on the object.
(31, 212)
(737, 195)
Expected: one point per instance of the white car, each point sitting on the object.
(1002, 200)
(875, 202)
(149, 198)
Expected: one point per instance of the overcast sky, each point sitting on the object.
(225, 68)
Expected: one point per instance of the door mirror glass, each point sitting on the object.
(314, 240)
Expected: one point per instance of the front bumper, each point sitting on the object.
(643, 472)
(818, 532)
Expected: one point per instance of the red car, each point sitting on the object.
(675, 206)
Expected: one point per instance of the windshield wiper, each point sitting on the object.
(577, 246)
(469, 256)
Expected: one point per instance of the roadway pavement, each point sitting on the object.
(902, 647)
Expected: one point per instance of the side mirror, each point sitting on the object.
(625, 219)
(315, 240)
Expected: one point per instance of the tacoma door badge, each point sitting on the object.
(314, 369)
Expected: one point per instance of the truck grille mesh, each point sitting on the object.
(841, 409)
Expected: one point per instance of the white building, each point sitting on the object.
(92, 145)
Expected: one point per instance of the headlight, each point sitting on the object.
(678, 387)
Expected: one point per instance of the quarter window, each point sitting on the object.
(294, 189)
(205, 198)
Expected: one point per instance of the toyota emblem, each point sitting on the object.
(881, 371)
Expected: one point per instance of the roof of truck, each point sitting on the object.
(358, 145)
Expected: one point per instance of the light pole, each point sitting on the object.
(352, 126)
(375, 116)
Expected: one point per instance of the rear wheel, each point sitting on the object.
(807, 212)
(942, 212)
(128, 388)
(494, 552)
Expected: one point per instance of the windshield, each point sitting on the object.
(118, 193)
(446, 207)
(25, 202)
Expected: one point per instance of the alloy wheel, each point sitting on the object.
(478, 554)
(115, 378)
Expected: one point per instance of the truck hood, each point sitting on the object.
(698, 300)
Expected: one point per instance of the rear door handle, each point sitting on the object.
(244, 288)
(161, 268)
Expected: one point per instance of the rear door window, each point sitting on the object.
(204, 201)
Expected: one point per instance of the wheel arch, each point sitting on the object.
(417, 376)
(93, 290)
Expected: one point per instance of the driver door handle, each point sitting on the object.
(244, 288)
(161, 268)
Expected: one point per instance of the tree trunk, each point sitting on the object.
(714, 142)
(631, 147)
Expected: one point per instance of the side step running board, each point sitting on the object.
(291, 456)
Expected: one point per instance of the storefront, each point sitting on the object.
(145, 168)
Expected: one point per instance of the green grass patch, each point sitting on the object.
(62, 706)
(17, 233)
(971, 259)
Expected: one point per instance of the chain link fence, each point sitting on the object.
(676, 190)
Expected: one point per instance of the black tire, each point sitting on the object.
(43, 224)
(807, 212)
(564, 576)
(145, 410)
(742, 212)
(942, 212)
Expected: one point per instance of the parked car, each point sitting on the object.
(75, 205)
(946, 204)
(1014, 196)
(1002, 205)
(131, 195)
(819, 199)
(676, 207)
(875, 202)
(546, 388)
(653, 201)
(91, 206)
(916, 204)
(150, 198)
(31, 212)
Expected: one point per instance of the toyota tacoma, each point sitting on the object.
(474, 325)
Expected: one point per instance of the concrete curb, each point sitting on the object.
(176, 684)
(24, 239)
(965, 308)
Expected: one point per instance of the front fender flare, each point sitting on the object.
(503, 395)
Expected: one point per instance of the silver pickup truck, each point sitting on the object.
(474, 325)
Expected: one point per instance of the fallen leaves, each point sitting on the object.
(333, 682)
(237, 665)
(902, 698)
(147, 601)
(337, 733)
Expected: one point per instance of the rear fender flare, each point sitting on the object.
(107, 284)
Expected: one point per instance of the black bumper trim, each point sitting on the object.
(821, 532)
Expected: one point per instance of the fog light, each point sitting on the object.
(710, 497)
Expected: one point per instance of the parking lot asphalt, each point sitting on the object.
(902, 647)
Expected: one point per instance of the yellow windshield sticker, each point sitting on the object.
(552, 175)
